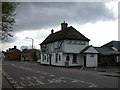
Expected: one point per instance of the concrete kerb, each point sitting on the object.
(102, 71)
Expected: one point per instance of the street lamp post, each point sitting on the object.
(31, 39)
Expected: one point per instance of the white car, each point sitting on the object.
(38, 61)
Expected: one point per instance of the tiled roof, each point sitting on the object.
(13, 50)
(29, 50)
(85, 49)
(115, 44)
(69, 33)
(106, 50)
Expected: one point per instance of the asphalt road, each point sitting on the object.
(6, 84)
(26, 75)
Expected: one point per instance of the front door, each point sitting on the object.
(50, 59)
(67, 58)
(84, 61)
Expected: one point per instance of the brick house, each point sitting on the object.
(13, 54)
(30, 54)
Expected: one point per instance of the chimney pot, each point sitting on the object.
(52, 31)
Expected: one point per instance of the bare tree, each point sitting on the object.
(8, 19)
(24, 47)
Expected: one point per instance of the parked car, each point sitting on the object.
(38, 61)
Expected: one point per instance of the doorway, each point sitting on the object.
(50, 59)
(84, 61)
(67, 58)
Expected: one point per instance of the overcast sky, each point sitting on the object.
(97, 21)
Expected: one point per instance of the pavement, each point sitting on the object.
(106, 71)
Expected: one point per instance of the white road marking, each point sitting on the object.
(50, 81)
(58, 80)
(75, 81)
(93, 85)
(52, 75)
(28, 78)
(45, 73)
(22, 78)
(42, 76)
(62, 77)
(88, 83)
(22, 84)
(34, 77)
(39, 82)
(31, 83)
(38, 71)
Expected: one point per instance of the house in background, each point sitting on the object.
(109, 54)
(13, 54)
(68, 47)
(30, 54)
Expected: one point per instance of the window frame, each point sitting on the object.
(56, 58)
(75, 56)
(59, 56)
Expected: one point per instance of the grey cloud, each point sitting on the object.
(39, 15)
(41, 35)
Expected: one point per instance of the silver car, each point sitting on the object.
(38, 61)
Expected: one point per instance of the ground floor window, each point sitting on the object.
(74, 58)
(92, 55)
(43, 58)
(56, 58)
(47, 58)
(59, 57)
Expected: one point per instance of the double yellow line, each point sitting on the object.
(10, 79)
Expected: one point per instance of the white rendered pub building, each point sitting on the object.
(68, 47)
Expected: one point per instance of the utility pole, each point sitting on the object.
(31, 39)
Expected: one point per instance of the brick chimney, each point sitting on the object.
(64, 25)
(52, 31)
(15, 47)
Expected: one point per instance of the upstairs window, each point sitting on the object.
(83, 43)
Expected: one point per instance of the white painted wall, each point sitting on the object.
(53, 59)
(71, 48)
(44, 61)
(52, 47)
(91, 61)
(74, 48)
(80, 60)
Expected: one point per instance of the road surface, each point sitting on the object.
(26, 75)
